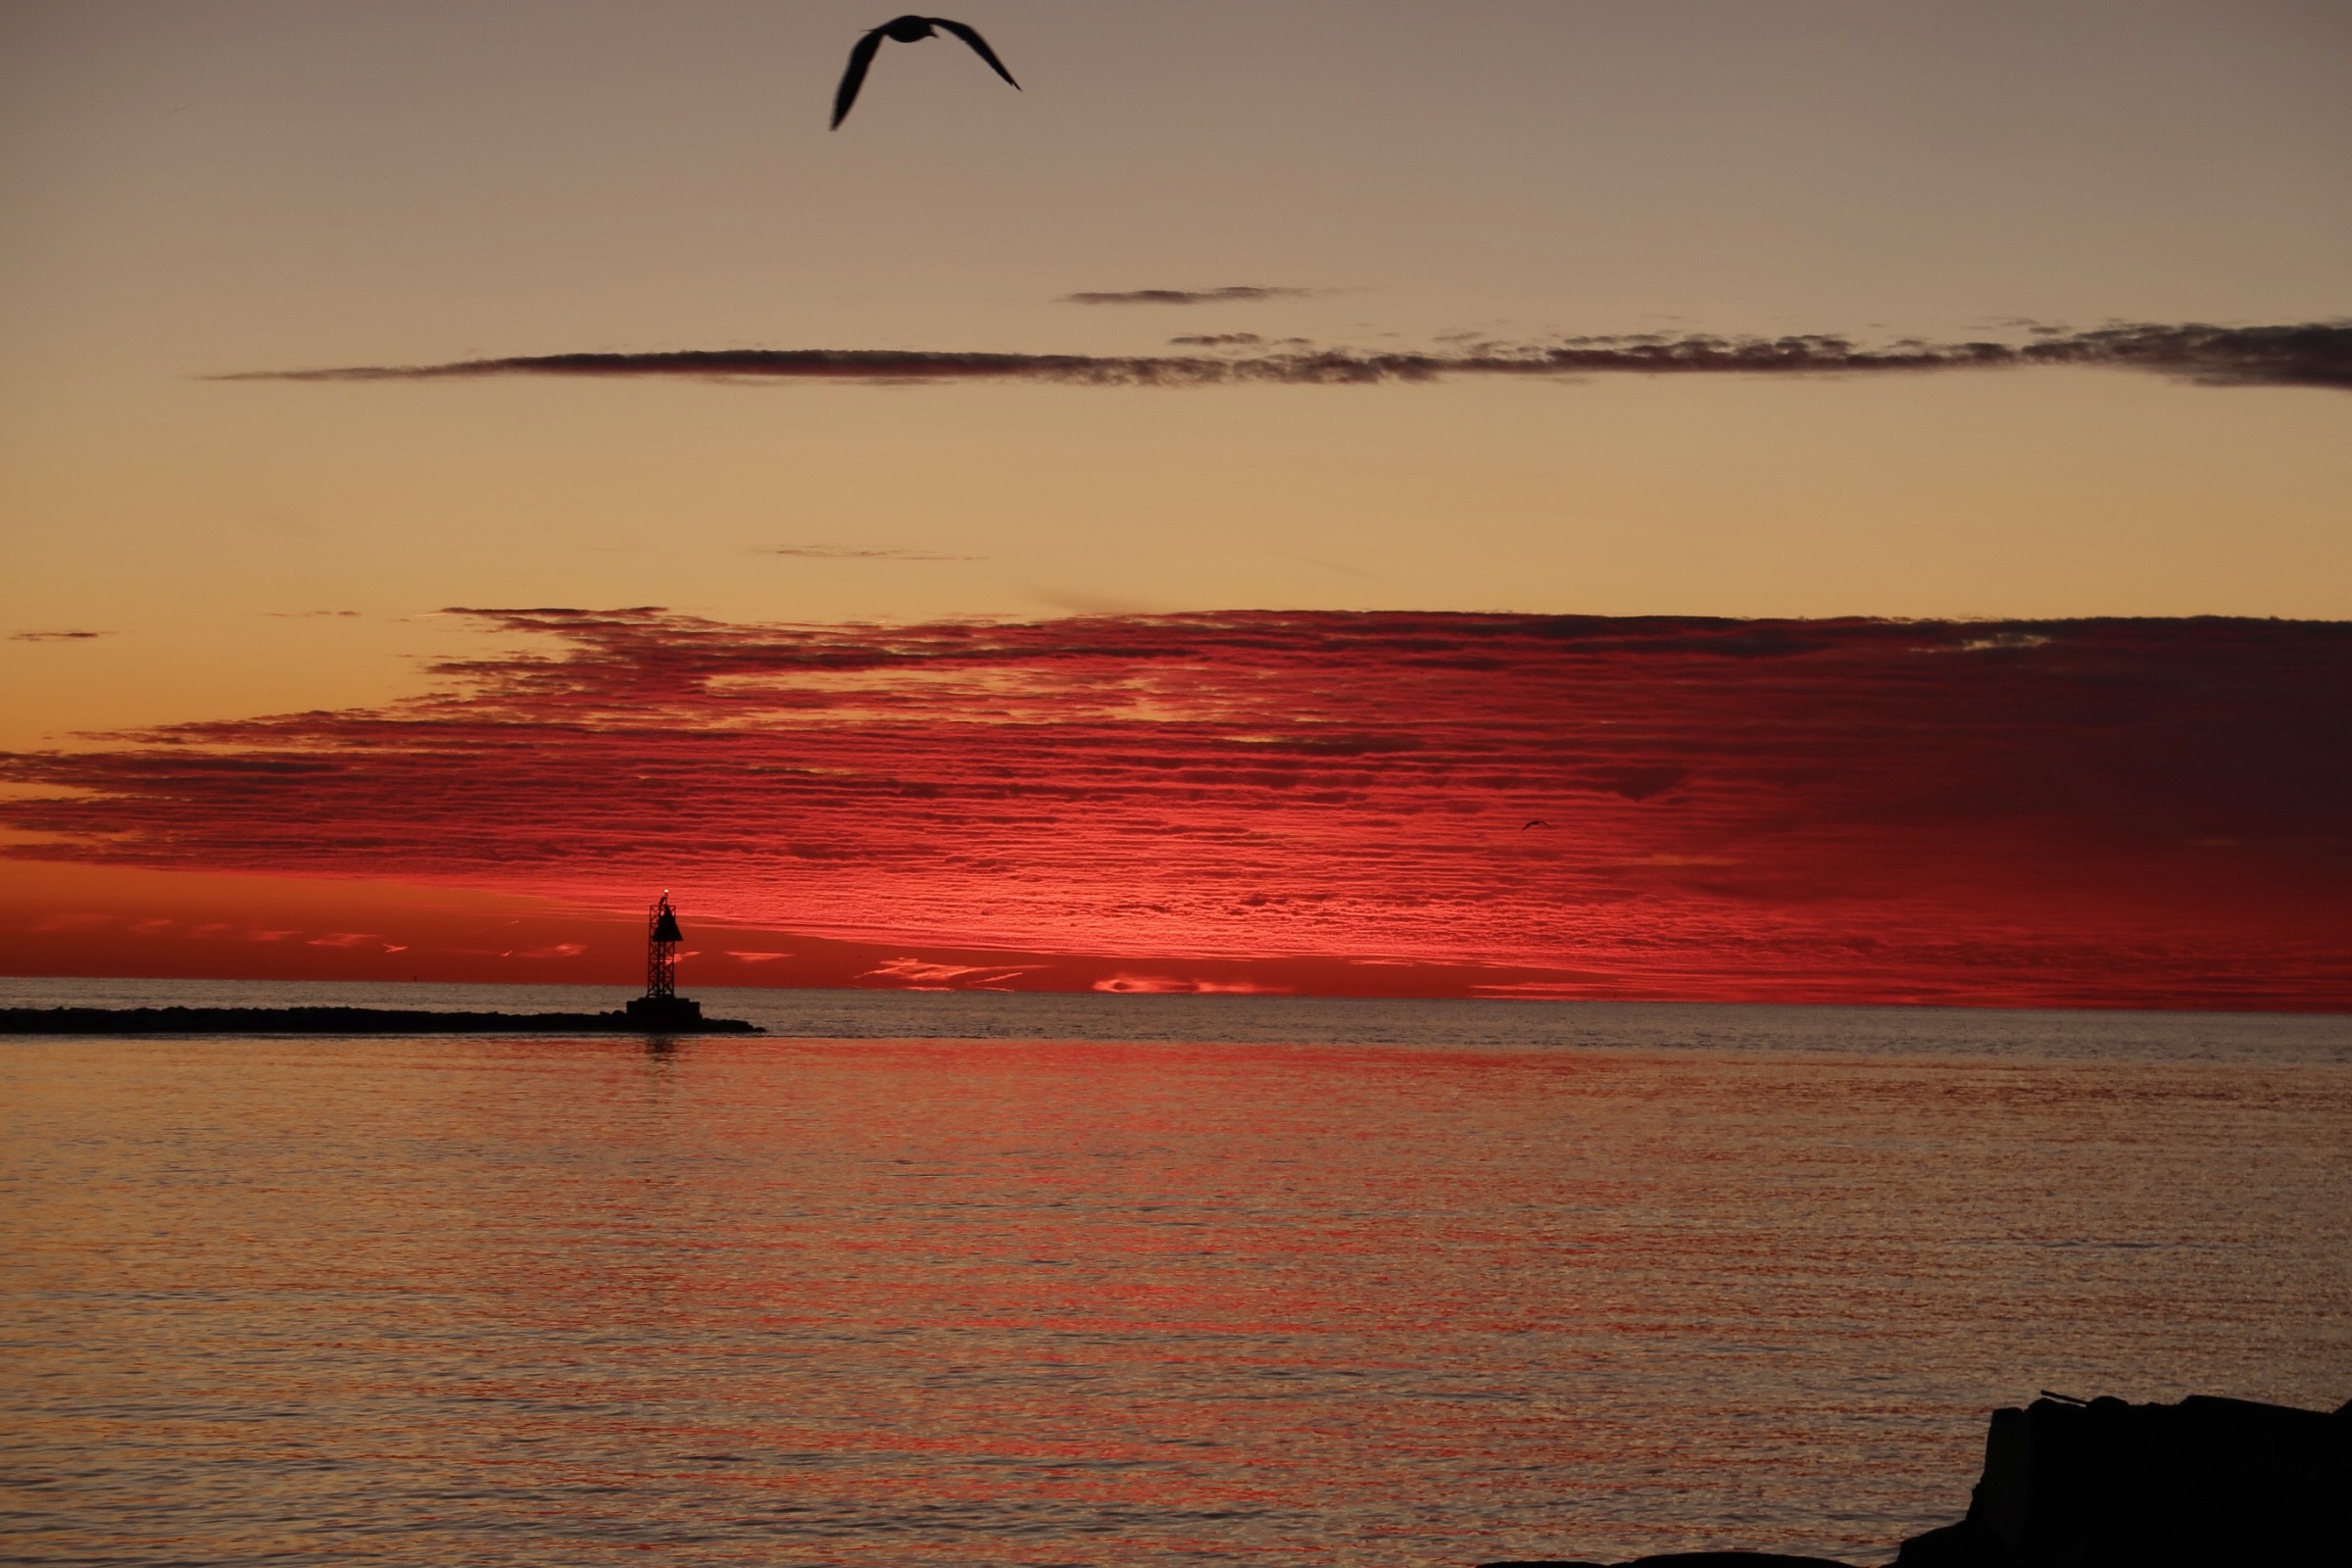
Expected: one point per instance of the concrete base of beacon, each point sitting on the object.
(666, 1012)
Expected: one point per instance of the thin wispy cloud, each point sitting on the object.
(845, 552)
(56, 636)
(1236, 294)
(2311, 355)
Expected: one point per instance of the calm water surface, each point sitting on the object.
(953, 1280)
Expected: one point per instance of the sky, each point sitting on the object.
(362, 363)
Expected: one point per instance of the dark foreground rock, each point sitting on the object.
(354, 1021)
(1687, 1559)
(2206, 1483)
(2102, 1484)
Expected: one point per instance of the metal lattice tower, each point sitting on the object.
(661, 939)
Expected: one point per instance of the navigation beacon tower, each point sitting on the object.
(661, 1005)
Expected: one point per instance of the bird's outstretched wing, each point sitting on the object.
(979, 46)
(862, 58)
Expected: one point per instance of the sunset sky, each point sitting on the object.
(467, 465)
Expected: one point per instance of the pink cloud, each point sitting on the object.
(920, 974)
(1164, 985)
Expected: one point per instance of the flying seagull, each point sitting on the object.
(905, 29)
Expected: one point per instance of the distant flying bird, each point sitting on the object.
(906, 29)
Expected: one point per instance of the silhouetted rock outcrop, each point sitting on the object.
(2210, 1482)
(2206, 1483)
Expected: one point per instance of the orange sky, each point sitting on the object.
(223, 187)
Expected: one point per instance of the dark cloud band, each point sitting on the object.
(2318, 355)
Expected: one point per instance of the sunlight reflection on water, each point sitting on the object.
(1435, 1286)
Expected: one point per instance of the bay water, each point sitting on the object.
(1027, 1280)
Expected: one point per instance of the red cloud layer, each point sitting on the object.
(2143, 812)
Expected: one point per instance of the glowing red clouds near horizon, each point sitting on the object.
(1852, 808)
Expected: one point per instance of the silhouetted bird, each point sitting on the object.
(906, 29)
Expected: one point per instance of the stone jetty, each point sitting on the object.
(635, 1020)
